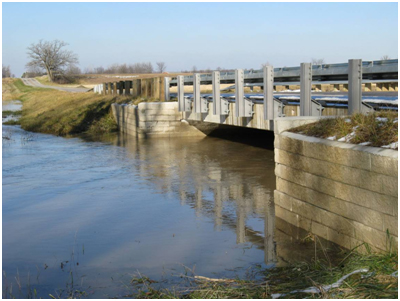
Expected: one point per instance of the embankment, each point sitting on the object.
(62, 113)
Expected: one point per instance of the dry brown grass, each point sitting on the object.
(96, 79)
(367, 128)
(63, 113)
(9, 90)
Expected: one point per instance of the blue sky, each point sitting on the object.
(205, 35)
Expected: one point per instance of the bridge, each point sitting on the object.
(260, 110)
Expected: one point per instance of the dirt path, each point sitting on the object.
(34, 83)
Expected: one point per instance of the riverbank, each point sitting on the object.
(124, 227)
(62, 113)
(355, 276)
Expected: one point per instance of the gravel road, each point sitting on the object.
(34, 83)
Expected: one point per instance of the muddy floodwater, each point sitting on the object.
(91, 213)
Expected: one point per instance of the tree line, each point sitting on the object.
(50, 57)
(7, 72)
(122, 69)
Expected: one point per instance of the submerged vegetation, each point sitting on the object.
(377, 129)
(355, 275)
(352, 276)
(63, 113)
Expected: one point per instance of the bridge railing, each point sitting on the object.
(352, 72)
(145, 87)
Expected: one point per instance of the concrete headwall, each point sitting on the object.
(152, 119)
(345, 193)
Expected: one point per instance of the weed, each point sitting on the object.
(7, 113)
(12, 122)
(366, 128)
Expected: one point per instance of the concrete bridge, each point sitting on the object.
(259, 111)
(344, 193)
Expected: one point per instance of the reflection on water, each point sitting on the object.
(102, 209)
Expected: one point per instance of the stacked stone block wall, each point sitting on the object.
(344, 193)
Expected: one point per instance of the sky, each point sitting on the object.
(205, 35)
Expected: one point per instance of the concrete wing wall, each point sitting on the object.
(152, 119)
(341, 192)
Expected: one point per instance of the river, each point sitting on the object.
(90, 213)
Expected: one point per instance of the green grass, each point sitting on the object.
(366, 127)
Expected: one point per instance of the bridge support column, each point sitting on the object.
(305, 89)
(268, 93)
(355, 80)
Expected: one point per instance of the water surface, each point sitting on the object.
(98, 210)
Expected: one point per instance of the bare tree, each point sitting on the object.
(161, 67)
(265, 65)
(194, 69)
(51, 57)
(73, 70)
(385, 58)
(33, 71)
(317, 61)
(99, 70)
(6, 72)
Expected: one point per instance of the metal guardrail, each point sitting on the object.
(371, 70)
(354, 71)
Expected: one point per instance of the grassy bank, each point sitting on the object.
(349, 276)
(62, 113)
(376, 129)
(373, 278)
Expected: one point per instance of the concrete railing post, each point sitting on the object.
(355, 81)
(127, 87)
(305, 89)
(121, 88)
(239, 92)
(268, 93)
(134, 88)
(115, 88)
(196, 93)
(244, 107)
(166, 88)
(104, 89)
(220, 105)
(200, 104)
(216, 91)
(181, 93)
